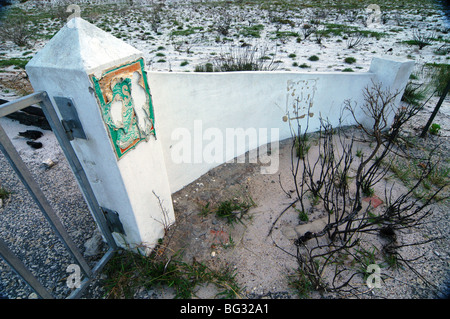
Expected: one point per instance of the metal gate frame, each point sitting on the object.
(25, 176)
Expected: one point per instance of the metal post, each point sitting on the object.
(20, 103)
(25, 176)
(27, 179)
(20, 269)
(435, 111)
(98, 267)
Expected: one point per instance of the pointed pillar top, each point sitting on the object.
(80, 45)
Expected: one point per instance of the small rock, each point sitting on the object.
(92, 245)
(313, 227)
(33, 295)
(289, 232)
(49, 163)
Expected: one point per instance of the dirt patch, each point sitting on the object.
(16, 81)
(261, 249)
(243, 245)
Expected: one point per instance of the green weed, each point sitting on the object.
(413, 93)
(4, 193)
(233, 211)
(419, 43)
(285, 34)
(303, 216)
(127, 272)
(349, 60)
(304, 66)
(365, 257)
(207, 67)
(409, 172)
(17, 62)
(435, 128)
(359, 153)
(252, 31)
(440, 76)
(302, 146)
(301, 283)
(185, 32)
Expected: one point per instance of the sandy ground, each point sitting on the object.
(247, 246)
(263, 262)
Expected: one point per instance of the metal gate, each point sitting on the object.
(63, 134)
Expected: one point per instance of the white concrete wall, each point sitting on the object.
(251, 100)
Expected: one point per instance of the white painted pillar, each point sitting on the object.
(123, 159)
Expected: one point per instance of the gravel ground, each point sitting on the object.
(23, 226)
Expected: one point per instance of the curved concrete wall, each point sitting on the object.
(191, 109)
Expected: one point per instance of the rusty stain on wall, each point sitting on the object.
(300, 99)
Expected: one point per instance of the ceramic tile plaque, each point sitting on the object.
(125, 103)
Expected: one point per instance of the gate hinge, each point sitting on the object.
(70, 120)
(113, 221)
